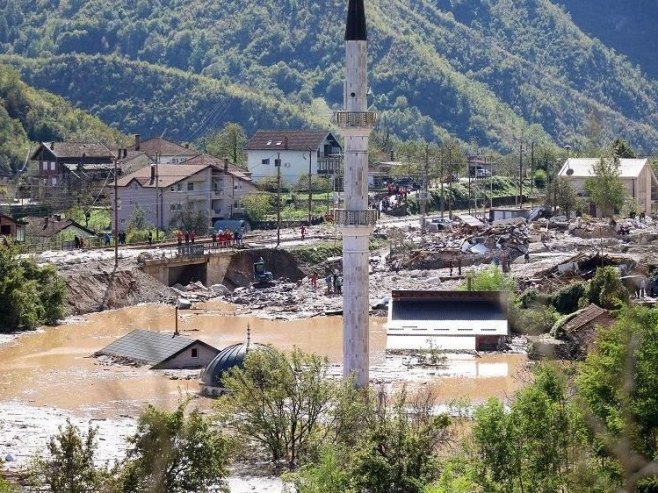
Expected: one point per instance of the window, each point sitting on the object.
(195, 352)
(52, 165)
(179, 187)
(190, 186)
(53, 181)
(45, 165)
(171, 188)
(265, 161)
(172, 207)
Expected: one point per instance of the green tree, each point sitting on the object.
(172, 452)
(606, 289)
(257, 206)
(490, 279)
(70, 467)
(618, 382)
(227, 143)
(621, 149)
(285, 404)
(397, 453)
(562, 194)
(190, 218)
(29, 294)
(604, 187)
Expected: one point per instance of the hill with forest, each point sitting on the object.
(490, 72)
(28, 116)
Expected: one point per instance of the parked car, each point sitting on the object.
(407, 183)
(482, 173)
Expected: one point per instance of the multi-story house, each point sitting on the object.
(163, 191)
(300, 152)
(162, 151)
(68, 165)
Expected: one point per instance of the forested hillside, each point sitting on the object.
(628, 27)
(486, 71)
(28, 116)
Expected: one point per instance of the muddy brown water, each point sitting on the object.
(53, 367)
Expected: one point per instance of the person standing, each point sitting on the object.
(179, 237)
(106, 239)
(192, 236)
(329, 280)
(339, 284)
(76, 242)
(303, 230)
(150, 238)
(187, 237)
(314, 280)
(643, 288)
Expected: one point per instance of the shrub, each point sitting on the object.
(565, 300)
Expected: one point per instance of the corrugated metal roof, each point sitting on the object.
(147, 347)
(454, 309)
(582, 167)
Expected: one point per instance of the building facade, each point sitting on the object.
(163, 192)
(636, 175)
(300, 152)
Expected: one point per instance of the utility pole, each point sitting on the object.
(277, 163)
(532, 168)
(310, 186)
(157, 199)
(468, 171)
(423, 192)
(450, 170)
(521, 174)
(443, 207)
(116, 211)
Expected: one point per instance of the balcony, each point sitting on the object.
(344, 217)
(355, 119)
(328, 165)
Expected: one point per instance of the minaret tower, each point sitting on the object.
(356, 220)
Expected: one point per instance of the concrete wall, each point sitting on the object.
(185, 359)
(209, 269)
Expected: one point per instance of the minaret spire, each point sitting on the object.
(356, 22)
(356, 220)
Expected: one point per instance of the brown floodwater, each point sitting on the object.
(53, 366)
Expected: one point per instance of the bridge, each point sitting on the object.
(191, 263)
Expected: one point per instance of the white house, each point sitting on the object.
(163, 191)
(449, 320)
(299, 151)
(636, 175)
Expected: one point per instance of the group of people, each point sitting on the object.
(78, 242)
(333, 280)
(188, 236)
(226, 238)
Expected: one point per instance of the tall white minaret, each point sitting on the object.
(356, 220)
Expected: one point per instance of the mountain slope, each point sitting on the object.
(489, 71)
(28, 115)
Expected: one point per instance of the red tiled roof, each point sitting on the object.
(208, 159)
(158, 145)
(298, 140)
(586, 316)
(168, 174)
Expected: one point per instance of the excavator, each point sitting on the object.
(263, 278)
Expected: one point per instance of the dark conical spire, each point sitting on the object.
(356, 22)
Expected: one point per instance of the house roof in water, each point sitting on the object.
(76, 150)
(447, 305)
(582, 167)
(298, 140)
(149, 348)
(163, 147)
(47, 227)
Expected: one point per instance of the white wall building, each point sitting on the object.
(636, 175)
(162, 191)
(449, 320)
(298, 150)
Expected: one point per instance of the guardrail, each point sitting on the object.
(355, 119)
(344, 217)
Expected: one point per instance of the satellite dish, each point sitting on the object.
(569, 172)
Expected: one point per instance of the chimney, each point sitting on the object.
(187, 145)
(52, 146)
(46, 220)
(285, 142)
(392, 155)
(225, 165)
(138, 141)
(152, 174)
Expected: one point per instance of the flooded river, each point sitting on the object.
(53, 366)
(49, 375)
